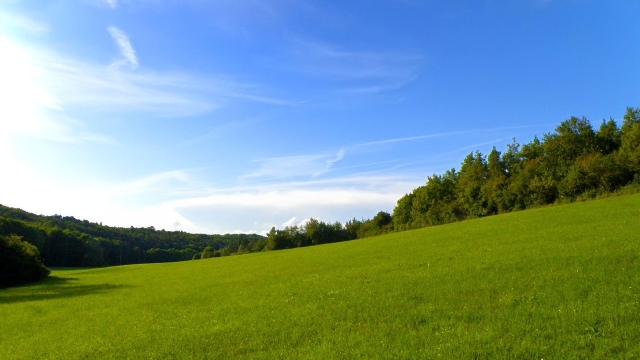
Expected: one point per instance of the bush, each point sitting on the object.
(19, 262)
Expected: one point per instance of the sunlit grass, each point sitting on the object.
(559, 282)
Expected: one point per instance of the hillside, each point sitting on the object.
(557, 282)
(64, 241)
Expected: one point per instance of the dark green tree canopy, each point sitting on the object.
(19, 262)
(574, 161)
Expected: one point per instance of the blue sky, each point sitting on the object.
(238, 115)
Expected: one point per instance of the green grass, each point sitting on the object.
(558, 282)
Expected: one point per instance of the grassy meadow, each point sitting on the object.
(557, 282)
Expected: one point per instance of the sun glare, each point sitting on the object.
(23, 101)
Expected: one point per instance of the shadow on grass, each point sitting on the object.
(53, 287)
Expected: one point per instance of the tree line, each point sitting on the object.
(69, 242)
(574, 162)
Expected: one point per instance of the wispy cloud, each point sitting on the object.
(244, 18)
(261, 99)
(359, 71)
(288, 199)
(114, 89)
(44, 94)
(175, 181)
(285, 203)
(293, 166)
(124, 45)
(160, 94)
(439, 135)
(314, 165)
(474, 146)
(23, 23)
(374, 89)
(112, 3)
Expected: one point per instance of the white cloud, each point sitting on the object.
(23, 23)
(298, 165)
(176, 181)
(47, 95)
(112, 3)
(295, 222)
(264, 206)
(291, 222)
(87, 85)
(291, 198)
(339, 156)
(437, 135)
(179, 199)
(41, 89)
(360, 72)
(474, 146)
(124, 45)
(379, 88)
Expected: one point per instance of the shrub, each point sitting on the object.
(19, 262)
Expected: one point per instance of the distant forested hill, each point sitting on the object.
(69, 242)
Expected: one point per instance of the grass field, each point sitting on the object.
(558, 282)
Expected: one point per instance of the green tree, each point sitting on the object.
(382, 219)
(311, 229)
(593, 173)
(573, 138)
(402, 213)
(471, 178)
(279, 239)
(207, 253)
(494, 189)
(629, 156)
(19, 262)
(351, 227)
(436, 202)
(608, 137)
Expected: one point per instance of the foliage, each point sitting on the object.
(314, 232)
(573, 162)
(68, 242)
(207, 253)
(19, 262)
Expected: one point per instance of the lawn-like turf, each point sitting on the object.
(558, 282)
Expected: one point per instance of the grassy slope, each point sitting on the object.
(558, 282)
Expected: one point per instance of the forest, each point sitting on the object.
(69, 242)
(575, 162)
